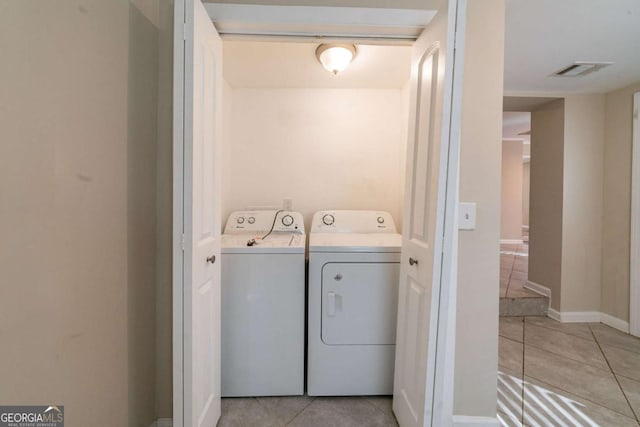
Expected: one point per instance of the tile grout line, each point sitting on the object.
(366, 399)
(614, 376)
(615, 345)
(558, 330)
(313, 399)
(600, 368)
(583, 398)
(506, 293)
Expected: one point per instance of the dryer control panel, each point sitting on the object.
(257, 222)
(340, 221)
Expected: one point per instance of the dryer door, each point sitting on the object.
(359, 303)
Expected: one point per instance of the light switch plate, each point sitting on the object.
(467, 216)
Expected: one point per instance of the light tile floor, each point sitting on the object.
(305, 411)
(559, 374)
(514, 267)
(550, 374)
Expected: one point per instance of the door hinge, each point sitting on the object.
(182, 242)
(184, 31)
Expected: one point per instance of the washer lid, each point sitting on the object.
(275, 243)
(355, 242)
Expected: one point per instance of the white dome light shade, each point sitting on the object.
(335, 57)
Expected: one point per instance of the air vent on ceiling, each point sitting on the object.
(581, 68)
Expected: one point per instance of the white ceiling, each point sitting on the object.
(294, 65)
(543, 36)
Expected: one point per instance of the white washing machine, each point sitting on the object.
(263, 302)
(354, 270)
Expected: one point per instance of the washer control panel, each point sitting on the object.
(352, 222)
(261, 222)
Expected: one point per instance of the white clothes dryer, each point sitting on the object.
(354, 269)
(263, 304)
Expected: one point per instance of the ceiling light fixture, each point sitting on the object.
(335, 57)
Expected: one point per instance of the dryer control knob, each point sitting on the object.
(287, 220)
(251, 220)
(328, 219)
(380, 220)
(240, 220)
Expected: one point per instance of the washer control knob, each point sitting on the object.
(287, 220)
(251, 220)
(328, 219)
(380, 220)
(240, 220)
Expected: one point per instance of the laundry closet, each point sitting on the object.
(301, 141)
(273, 131)
(292, 130)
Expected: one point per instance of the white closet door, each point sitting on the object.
(199, 385)
(422, 391)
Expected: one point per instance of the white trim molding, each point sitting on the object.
(614, 322)
(589, 317)
(634, 266)
(511, 241)
(575, 316)
(537, 288)
(464, 421)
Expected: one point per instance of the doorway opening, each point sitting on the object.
(425, 393)
(516, 297)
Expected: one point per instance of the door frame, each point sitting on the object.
(449, 185)
(634, 253)
(178, 211)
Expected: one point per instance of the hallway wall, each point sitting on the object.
(546, 198)
(526, 173)
(164, 216)
(478, 260)
(617, 201)
(511, 218)
(582, 202)
(77, 202)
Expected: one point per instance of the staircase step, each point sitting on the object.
(535, 306)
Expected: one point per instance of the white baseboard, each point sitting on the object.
(162, 422)
(554, 314)
(511, 241)
(589, 317)
(575, 316)
(614, 322)
(537, 288)
(464, 421)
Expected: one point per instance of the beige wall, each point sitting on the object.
(582, 202)
(477, 330)
(141, 154)
(617, 201)
(526, 172)
(511, 197)
(77, 202)
(546, 198)
(63, 178)
(324, 148)
(164, 219)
